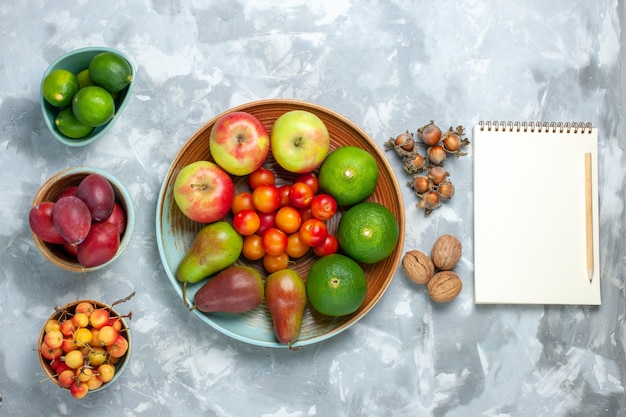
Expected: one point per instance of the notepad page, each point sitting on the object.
(529, 218)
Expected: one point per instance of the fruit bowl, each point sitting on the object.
(175, 232)
(51, 189)
(76, 61)
(48, 363)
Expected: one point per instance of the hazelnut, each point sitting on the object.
(418, 266)
(444, 286)
(446, 252)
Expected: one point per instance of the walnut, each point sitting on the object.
(446, 252)
(418, 266)
(444, 286)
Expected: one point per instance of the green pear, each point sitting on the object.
(285, 295)
(215, 247)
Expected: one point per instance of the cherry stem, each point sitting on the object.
(123, 300)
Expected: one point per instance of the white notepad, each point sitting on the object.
(530, 214)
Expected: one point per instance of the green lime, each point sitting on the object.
(59, 87)
(83, 78)
(336, 285)
(70, 126)
(368, 232)
(93, 106)
(110, 71)
(349, 174)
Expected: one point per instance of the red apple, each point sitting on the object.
(299, 141)
(203, 191)
(239, 143)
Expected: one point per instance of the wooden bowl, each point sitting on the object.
(73, 176)
(68, 311)
(175, 232)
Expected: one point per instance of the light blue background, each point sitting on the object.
(388, 66)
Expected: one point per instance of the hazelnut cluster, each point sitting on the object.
(423, 158)
(435, 271)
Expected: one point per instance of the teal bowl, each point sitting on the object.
(76, 61)
(50, 190)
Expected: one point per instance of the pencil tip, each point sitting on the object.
(590, 275)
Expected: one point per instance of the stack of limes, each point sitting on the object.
(86, 100)
(367, 232)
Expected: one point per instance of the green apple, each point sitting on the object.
(299, 141)
(203, 191)
(239, 143)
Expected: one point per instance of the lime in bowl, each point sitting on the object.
(76, 133)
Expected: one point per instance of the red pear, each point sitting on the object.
(285, 295)
(236, 289)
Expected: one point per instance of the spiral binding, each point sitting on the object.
(541, 127)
